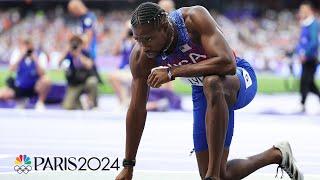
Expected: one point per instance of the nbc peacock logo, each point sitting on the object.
(22, 164)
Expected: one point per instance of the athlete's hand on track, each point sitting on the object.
(125, 174)
(158, 76)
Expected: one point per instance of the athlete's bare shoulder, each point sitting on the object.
(195, 12)
(198, 19)
(140, 64)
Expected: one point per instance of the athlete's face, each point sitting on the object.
(151, 39)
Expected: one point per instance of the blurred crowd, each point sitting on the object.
(265, 40)
(8, 19)
(41, 41)
(50, 32)
(84, 42)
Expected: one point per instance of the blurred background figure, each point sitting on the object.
(87, 20)
(80, 77)
(120, 79)
(87, 28)
(307, 50)
(261, 32)
(164, 99)
(30, 79)
(167, 5)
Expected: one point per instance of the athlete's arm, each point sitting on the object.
(221, 58)
(136, 115)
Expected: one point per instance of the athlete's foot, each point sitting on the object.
(287, 164)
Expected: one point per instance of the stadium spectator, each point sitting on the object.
(30, 77)
(87, 28)
(120, 80)
(308, 51)
(80, 77)
(263, 39)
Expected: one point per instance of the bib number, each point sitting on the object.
(195, 81)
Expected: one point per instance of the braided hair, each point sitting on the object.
(148, 13)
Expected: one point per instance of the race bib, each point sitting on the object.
(194, 81)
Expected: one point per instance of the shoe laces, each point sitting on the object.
(290, 170)
(279, 167)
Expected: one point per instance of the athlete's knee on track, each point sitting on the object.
(224, 177)
(224, 174)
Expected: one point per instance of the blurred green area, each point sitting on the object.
(267, 83)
